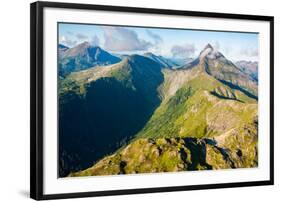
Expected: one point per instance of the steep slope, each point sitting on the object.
(84, 56)
(99, 97)
(193, 98)
(225, 71)
(207, 119)
(194, 109)
(148, 155)
(155, 155)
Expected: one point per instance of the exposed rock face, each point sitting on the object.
(177, 154)
(198, 117)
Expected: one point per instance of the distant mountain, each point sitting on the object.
(181, 61)
(137, 117)
(161, 60)
(249, 67)
(62, 48)
(84, 56)
(121, 56)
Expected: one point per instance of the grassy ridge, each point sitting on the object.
(191, 130)
(193, 109)
(195, 121)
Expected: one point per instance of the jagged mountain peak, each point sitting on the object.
(208, 46)
(83, 48)
(78, 49)
(84, 56)
(85, 44)
(210, 53)
(214, 99)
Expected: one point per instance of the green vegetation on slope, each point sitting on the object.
(195, 111)
(191, 130)
(147, 155)
(92, 100)
(201, 117)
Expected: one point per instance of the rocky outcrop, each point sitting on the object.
(148, 155)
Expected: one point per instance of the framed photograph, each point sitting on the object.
(135, 100)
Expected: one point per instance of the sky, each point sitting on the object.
(171, 43)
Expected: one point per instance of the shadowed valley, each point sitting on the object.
(142, 115)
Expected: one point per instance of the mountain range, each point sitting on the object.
(83, 56)
(141, 114)
(249, 67)
(164, 62)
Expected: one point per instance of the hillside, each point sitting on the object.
(148, 155)
(200, 116)
(95, 98)
(199, 107)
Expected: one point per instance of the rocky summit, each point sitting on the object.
(142, 115)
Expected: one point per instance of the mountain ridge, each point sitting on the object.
(209, 101)
(97, 96)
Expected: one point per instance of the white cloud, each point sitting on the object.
(70, 33)
(250, 52)
(95, 41)
(67, 41)
(183, 51)
(235, 53)
(123, 39)
(217, 45)
(157, 47)
(81, 36)
(156, 38)
(78, 38)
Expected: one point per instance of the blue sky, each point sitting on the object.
(178, 43)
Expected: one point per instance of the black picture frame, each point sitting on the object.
(37, 99)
